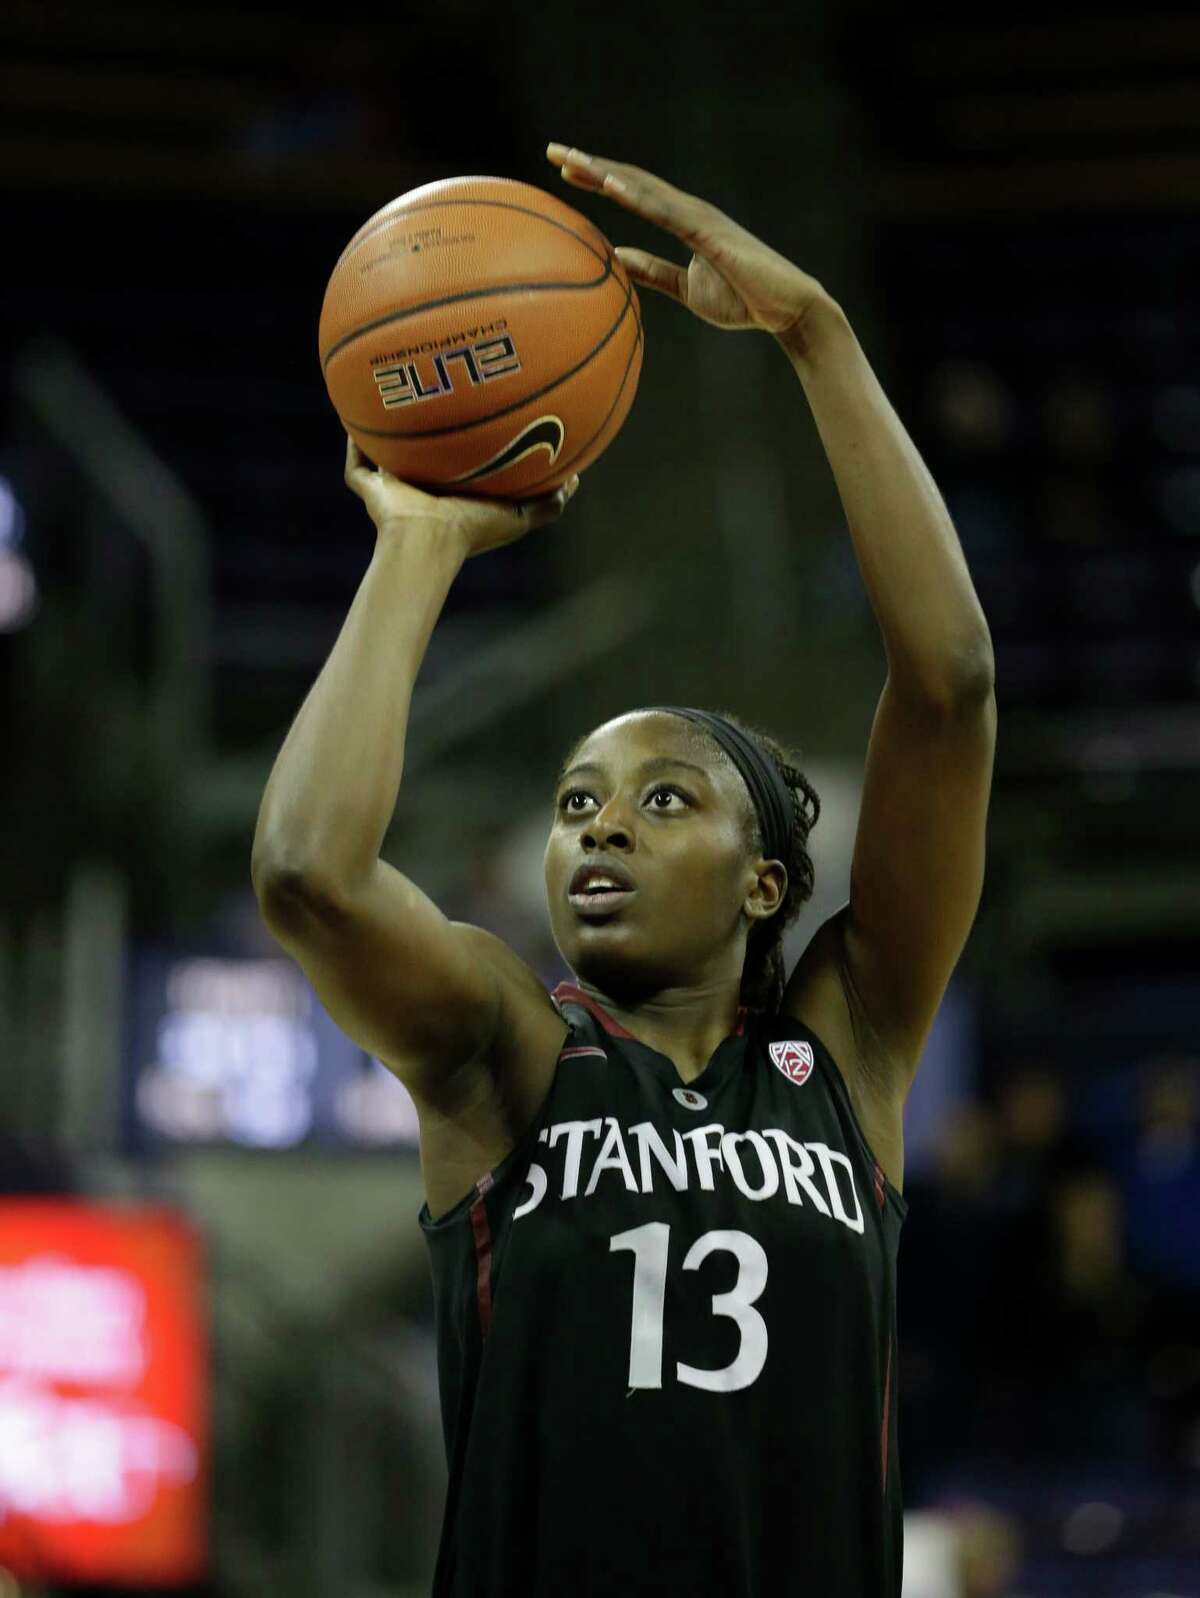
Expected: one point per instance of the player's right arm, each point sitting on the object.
(422, 993)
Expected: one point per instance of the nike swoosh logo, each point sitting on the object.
(547, 433)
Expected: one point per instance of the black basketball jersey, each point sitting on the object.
(666, 1333)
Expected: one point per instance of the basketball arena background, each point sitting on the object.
(216, 1360)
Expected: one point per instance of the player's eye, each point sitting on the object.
(564, 802)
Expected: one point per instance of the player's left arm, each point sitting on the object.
(917, 873)
(918, 859)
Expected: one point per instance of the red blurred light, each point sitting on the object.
(104, 1404)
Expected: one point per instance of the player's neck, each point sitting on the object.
(687, 1026)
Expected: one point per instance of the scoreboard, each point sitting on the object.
(240, 1051)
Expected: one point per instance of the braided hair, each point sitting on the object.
(763, 976)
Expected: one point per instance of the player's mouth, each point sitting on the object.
(601, 901)
(599, 886)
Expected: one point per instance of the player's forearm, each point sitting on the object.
(335, 782)
(934, 630)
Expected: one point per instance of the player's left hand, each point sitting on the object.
(733, 279)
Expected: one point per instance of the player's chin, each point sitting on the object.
(619, 930)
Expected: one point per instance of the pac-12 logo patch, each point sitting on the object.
(795, 1060)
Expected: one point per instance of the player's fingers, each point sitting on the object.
(579, 179)
(685, 215)
(354, 464)
(548, 507)
(652, 272)
(357, 465)
(491, 523)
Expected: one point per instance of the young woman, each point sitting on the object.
(664, 1201)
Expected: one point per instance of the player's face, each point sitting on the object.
(676, 832)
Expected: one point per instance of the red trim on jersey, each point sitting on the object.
(887, 1394)
(576, 995)
(880, 1190)
(482, 1231)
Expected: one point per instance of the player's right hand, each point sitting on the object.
(481, 524)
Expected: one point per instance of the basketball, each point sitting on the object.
(478, 336)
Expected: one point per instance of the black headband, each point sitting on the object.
(771, 795)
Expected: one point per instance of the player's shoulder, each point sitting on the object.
(530, 1030)
(821, 996)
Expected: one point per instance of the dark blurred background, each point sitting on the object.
(1009, 212)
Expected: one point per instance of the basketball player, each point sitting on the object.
(663, 1202)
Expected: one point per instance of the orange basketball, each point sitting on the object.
(478, 336)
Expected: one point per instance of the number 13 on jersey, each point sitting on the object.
(650, 1245)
